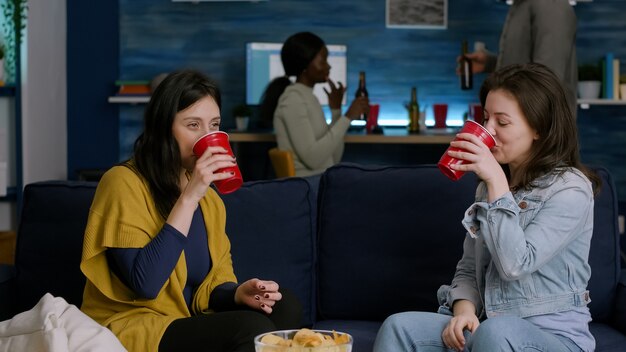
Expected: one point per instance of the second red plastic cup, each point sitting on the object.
(446, 160)
(441, 113)
(372, 118)
(476, 112)
(219, 138)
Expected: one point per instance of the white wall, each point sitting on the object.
(7, 141)
(44, 100)
(44, 92)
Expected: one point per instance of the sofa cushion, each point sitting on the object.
(50, 241)
(389, 236)
(271, 228)
(607, 338)
(7, 291)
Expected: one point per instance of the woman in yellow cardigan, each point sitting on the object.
(155, 254)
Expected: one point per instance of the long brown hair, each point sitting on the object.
(543, 101)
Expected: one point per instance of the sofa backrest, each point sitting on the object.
(259, 216)
(389, 236)
(382, 231)
(604, 256)
(271, 226)
(50, 241)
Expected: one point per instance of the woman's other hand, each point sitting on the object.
(464, 319)
(452, 335)
(335, 96)
(258, 294)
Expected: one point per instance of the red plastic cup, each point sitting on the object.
(476, 112)
(219, 138)
(446, 160)
(441, 112)
(372, 118)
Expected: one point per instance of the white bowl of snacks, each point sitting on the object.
(303, 340)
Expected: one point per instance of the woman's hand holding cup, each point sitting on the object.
(220, 160)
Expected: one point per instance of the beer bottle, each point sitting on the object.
(466, 68)
(414, 112)
(361, 92)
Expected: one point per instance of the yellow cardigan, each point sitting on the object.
(123, 215)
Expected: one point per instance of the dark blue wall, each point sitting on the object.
(160, 36)
(92, 67)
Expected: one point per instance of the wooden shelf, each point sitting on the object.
(7, 91)
(10, 196)
(131, 99)
(586, 103)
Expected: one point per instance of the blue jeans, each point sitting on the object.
(421, 331)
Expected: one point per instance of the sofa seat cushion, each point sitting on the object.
(607, 338)
(271, 227)
(387, 231)
(363, 332)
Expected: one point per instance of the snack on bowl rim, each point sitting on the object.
(303, 340)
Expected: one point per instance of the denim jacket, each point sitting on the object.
(527, 252)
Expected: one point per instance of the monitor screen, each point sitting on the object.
(263, 64)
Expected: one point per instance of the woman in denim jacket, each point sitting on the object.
(522, 281)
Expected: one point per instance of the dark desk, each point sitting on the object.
(395, 147)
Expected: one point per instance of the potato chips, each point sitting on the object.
(305, 340)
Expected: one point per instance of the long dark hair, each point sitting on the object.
(156, 155)
(543, 101)
(296, 54)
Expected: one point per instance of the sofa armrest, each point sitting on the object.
(7, 291)
(619, 313)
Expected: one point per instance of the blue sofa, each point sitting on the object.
(355, 244)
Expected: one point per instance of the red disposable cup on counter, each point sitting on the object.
(441, 113)
(446, 160)
(219, 138)
(476, 112)
(372, 118)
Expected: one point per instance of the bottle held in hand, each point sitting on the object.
(361, 92)
(466, 68)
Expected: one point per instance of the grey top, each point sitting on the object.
(541, 31)
(301, 127)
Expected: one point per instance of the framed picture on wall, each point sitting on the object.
(425, 14)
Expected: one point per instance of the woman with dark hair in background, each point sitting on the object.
(155, 253)
(297, 115)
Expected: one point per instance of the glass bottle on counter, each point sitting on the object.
(466, 68)
(414, 112)
(361, 92)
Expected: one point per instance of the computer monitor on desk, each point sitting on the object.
(263, 64)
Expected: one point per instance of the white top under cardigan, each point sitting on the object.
(301, 127)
